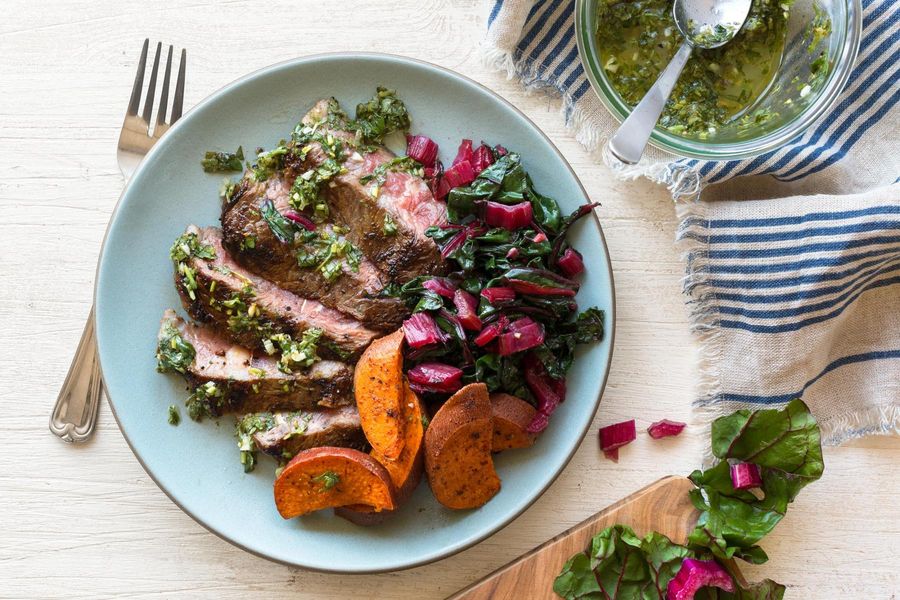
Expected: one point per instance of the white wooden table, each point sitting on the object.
(87, 522)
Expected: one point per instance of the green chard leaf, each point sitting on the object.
(282, 227)
(223, 162)
(590, 326)
(786, 445)
(621, 565)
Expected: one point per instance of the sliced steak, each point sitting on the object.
(403, 198)
(293, 432)
(355, 292)
(231, 379)
(249, 309)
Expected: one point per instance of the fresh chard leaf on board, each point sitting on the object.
(784, 443)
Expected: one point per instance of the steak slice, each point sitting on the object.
(403, 198)
(225, 293)
(292, 432)
(231, 379)
(355, 292)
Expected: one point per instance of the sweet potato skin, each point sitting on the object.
(511, 417)
(326, 477)
(378, 386)
(406, 471)
(458, 450)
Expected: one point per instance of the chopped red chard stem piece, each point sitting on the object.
(467, 310)
(454, 244)
(459, 174)
(421, 330)
(745, 476)
(440, 286)
(422, 149)
(435, 377)
(300, 219)
(509, 216)
(695, 574)
(613, 437)
(571, 263)
(498, 295)
(464, 153)
(544, 388)
(665, 428)
(512, 253)
(523, 334)
(491, 332)
(483, 158)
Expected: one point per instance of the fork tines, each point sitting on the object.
(178, 100)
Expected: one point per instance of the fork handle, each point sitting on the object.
(75, 413)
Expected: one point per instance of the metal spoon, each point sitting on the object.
(704, 24)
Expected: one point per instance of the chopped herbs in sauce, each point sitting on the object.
(390, 227)
(223, 162)
(173, 353)
(248, 242)
(295, 353)
(244, 314)
(306, 189)
(204, 400)
(637, 39)
(328, 479)
(244, 430)
(383, 114)
(328, 252)
(267, 163)
(185, 247)
(226, 190)
(174, 415)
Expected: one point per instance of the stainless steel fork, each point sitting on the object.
(75, 413)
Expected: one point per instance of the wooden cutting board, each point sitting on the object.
(663, 506)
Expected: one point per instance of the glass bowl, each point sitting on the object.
(794, 104)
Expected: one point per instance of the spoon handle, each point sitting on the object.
(629, 141)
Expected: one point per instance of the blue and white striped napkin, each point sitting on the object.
(791, 297)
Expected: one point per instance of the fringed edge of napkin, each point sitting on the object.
(878, 420)
(703, 319)
(709, 405)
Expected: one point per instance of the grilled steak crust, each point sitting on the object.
(403, 198)
(246, 383)
(355, 293)
(297, 431)
(221, 280)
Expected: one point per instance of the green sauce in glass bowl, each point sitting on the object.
(638, 39)
(783, 69)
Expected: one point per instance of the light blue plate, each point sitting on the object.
(197, 464)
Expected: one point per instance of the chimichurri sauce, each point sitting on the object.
(637, 39)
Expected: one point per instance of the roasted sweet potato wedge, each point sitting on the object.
(458, 450)
(378, 386)
(511, 417)
(326, 477)
(406, 471)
